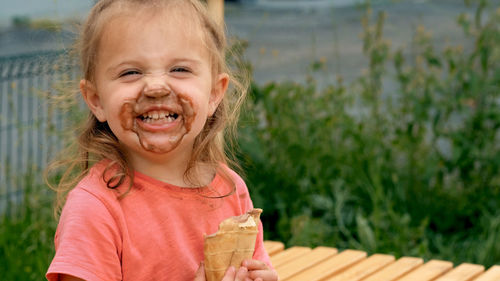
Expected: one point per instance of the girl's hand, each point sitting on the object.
(231, 274)
(259, 271)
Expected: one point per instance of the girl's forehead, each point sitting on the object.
(151, 34)
(137, 16)
(128, 19)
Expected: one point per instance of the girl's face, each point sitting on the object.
(154, 83)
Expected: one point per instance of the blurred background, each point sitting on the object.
(370, 125)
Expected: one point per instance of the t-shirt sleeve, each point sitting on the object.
(247, 204)
(88, 241)
(260, 252)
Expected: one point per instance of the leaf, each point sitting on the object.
(365, 232)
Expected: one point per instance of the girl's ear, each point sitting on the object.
(218, 91)
(92, 99)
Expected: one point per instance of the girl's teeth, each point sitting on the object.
(156, 115)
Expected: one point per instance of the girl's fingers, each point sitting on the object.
(254, 265)
(200, 273)
(268, 275)
(242, 274)
(232, 274)
(260, 271)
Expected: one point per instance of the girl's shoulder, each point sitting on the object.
(225, 170)
(92, 198)
(233, 179)
(94, 183)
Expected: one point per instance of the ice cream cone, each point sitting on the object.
(231, 244)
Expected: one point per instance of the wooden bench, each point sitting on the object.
(328, 264)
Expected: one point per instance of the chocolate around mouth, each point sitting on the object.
(132, 113)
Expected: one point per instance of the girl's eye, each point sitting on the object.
(180, 69)
(130, 72)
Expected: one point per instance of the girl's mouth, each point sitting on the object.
(158, 116)
(161, 125)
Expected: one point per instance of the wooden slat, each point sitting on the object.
(288, 255)
(304, 262)
(273, 247)
(364, 268)
(322, 264)
(396, 270)
(463, 272)
(428, 271)
(492, 274)
(330, 266)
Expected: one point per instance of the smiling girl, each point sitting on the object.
(154, 177)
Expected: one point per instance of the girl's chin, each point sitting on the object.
(159, 143)
(160, 136)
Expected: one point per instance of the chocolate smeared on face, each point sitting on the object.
(126, 113)
(159, 121)
(187, 108)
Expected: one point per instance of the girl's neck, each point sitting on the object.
(172, 169)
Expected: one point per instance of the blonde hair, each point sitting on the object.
(97, 142)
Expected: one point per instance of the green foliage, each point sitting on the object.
(21, 21)
(405, 160)
(27, 235)
(39, 24)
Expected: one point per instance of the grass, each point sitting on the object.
(27, 235)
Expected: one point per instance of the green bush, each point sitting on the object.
(21, 21)
(27, 234)
(409, 171)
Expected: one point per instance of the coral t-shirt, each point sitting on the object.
(155, 232)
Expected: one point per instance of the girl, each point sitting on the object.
(155, 81)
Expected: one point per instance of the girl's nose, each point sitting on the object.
(156, 91)
(156, 86)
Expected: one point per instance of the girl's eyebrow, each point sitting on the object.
(193, 61)
(113, 68)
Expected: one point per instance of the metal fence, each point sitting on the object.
(30, 124)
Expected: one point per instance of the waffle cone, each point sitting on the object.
(231, 244)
